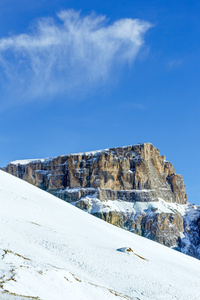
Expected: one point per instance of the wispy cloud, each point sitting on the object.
(68, 53)
(174, 64)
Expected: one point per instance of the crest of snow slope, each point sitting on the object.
(50, 249)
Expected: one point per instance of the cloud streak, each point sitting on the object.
(69, 53)
(174, 64)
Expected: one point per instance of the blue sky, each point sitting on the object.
(86, 75)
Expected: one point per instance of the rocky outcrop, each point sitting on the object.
(132, 187)
(190, 241)
(164, 228)
(132, 173)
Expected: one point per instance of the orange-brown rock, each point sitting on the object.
(132, 173)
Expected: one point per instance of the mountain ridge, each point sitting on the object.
(102, 181)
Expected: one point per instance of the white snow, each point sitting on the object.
(34, 160)
(52, 250)
(97, 206)
(26, 161)
(89, 152)
(99, 151)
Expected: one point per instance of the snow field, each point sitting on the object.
(52, 250)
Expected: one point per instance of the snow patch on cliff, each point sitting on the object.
(97, 206)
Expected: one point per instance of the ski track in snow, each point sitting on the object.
(51, 250)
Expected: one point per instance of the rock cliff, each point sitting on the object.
(133, 187)
(133, 173)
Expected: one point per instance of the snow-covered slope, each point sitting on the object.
(52, 250)
(172, 224)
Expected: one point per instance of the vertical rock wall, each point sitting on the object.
(131, 173)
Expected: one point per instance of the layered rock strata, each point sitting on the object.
(124, 175)
(133, 173)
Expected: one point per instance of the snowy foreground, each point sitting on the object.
(52, 250)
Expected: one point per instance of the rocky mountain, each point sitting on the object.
(132, 187)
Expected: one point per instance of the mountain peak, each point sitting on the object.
(132, 187)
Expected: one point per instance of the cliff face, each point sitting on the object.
(133, 173)
(121, 185)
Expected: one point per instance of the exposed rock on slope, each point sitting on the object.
(110, 184)
(133, 173)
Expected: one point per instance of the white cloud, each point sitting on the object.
(69, 53)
